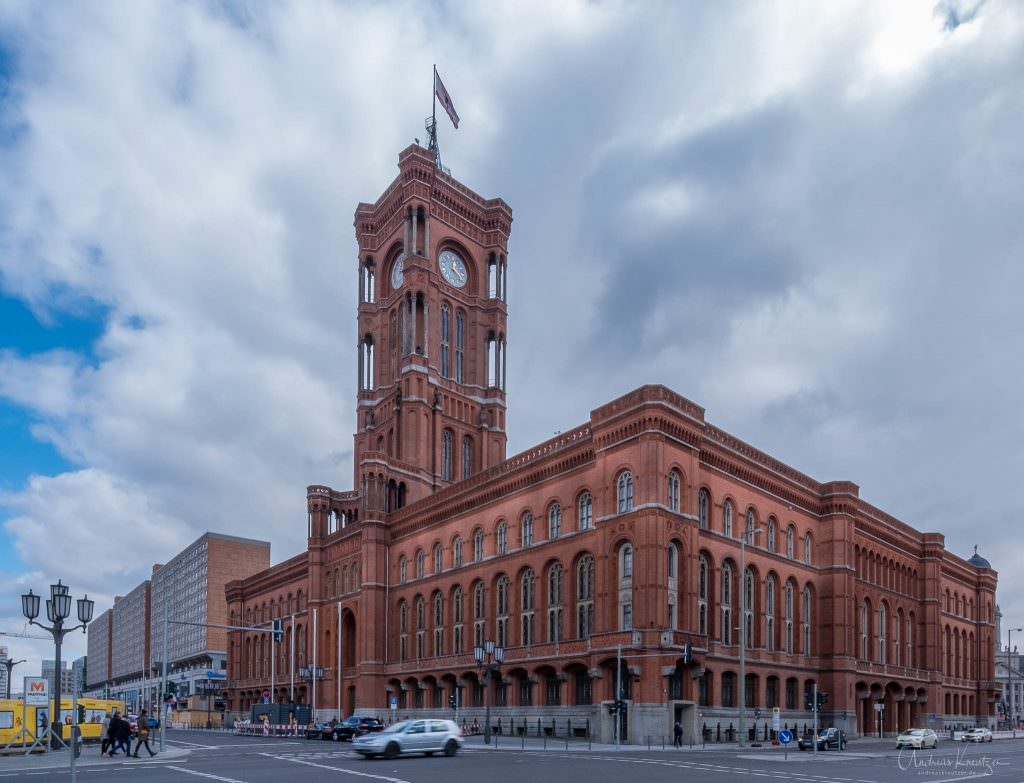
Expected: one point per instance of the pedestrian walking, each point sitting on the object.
(105, 734)
(122, 735)
(678, 731)
(143, 735)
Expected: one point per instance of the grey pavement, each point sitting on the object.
(204, 756)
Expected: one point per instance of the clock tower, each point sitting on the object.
(432, 334)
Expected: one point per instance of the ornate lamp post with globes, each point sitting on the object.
(10, 663)
(488, 658)
(58, 609)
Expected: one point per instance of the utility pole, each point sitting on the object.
(618, 695)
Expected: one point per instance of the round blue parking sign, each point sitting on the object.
(785, 736)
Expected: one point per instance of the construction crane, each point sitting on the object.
(24, 635)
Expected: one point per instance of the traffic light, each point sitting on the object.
(687, 653)
(278, 630)
(451, 702)
(822, 700)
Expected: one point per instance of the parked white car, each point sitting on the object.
(428, 736)
(918, 738)
(977, 735)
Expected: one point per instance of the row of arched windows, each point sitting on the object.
(343, 580)
(448, 456)
(776, 613)
(887, 637)
(456, 620)
(752, 529)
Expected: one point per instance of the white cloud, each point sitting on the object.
(795, 261)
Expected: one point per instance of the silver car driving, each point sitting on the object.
(428, 736)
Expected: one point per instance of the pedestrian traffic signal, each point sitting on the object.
(451, 702)
(278, 630)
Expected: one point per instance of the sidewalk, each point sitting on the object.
(61, 759)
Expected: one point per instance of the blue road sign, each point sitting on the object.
(785, 736)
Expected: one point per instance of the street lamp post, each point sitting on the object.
(1012, 701)
(10, 664)
(488, 658)
(751, 534)
(58, 609)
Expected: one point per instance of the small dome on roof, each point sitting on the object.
(977, 560)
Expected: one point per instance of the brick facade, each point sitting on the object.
(622, 532)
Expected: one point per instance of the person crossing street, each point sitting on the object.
(143, 735)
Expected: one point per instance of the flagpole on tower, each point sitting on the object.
(449, 107)
(432, 125)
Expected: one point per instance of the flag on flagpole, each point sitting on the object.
(445, 98)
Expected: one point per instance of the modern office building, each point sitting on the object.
(190, 587)
(98, 677)
(79, 675)
(49, 671)
(725, 577)
(4, 657)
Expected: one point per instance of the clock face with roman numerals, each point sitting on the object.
(453, 268)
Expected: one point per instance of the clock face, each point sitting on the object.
(453, 269)
(398, 272)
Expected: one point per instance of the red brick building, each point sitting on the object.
(625, 530)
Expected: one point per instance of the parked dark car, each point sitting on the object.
(353, 726)
(827, 739)
(321, 730)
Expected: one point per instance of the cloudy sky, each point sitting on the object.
(804, 217)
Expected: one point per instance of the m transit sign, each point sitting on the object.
(37, 692)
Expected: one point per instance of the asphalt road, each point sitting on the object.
(230, 759)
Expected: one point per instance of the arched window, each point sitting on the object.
(554, 521)
(673, 585)
(748, 608)
(625, 492)
(865, 629)
(626, 587)
(457, 552)
(702, 595)
(501, 593)
(556, 579)
(479, 614)
(883, 622)
(773, 529)
(807, 548)
(421, 560)
(420, 628)
(910, 639)
(673, 490)
(467, 457)
(438, 624)
(527, 603)
(585, 510)
(458, 619)
(478, 545)
(790, 600)
(726, 604)
(703, 508)
(751, 526)
(446, 455)
(403, 631)
(502, 537)
(527, 529)
(437, 558)
(403, 570)
(727, 518)
(897, 631)
(460, 347)
(446, 339)
(790, 541)
(585, 597)
(807, 620)
(769, 613)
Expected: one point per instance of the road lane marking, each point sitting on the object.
(204, 775)
(336, 769)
